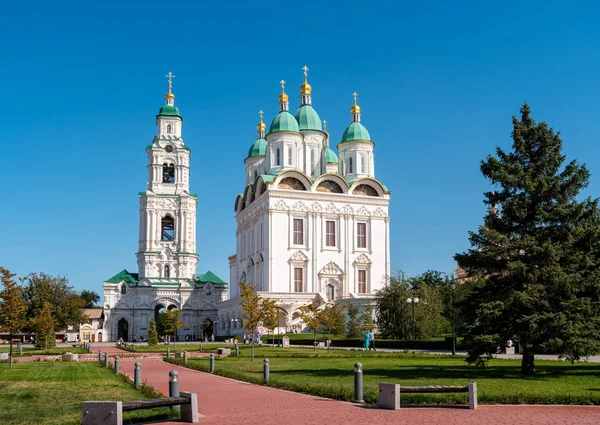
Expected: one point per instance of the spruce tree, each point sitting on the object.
(539, 250)
(152, 334)
(354, 328)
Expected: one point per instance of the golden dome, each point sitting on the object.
(261, 125)
(283, 98)
(169, 96)
(355, 108)
(305, 88)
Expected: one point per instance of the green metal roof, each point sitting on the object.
(268, 177)
(330, 156)
(356, 131)
(209, 277)
(169, 111)
(124, 275)
(308, 119)
(258, 148)
(284, 121)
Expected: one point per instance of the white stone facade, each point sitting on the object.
(166, 257)
(310, 230)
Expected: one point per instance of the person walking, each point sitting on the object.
(372, 340)
(367, 342)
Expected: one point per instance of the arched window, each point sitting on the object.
(167, 225)
(169, 129)
(362, 164)
(167, 271)
(124, 289)
(278, 157)
(255, 174)
(168, 173)
(330, 291)
(289, 156)
(350, 166)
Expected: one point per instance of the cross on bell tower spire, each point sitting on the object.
(170, 97)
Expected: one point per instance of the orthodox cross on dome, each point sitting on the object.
(355, 96)
(325, 126)
(282, 82)
(170, 76)
(305, 68)
(261, 114)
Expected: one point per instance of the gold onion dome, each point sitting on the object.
(169, 96)
(305, 88)
(355, 108)
(283, 98)
(261, 125)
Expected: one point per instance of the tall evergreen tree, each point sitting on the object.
(539, 248)
(152, 333)
(354, 327)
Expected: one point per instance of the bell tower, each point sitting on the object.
(167, 241)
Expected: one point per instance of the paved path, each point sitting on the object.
(223, 400)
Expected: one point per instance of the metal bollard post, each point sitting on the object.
(212, 363)
(105, 359)
(137, 378)
(174, 385)
(168, 352)
(185, 357)
(99, 356)
(117, 365)
(358, 383)
(200, 346)
(237, 350)
(266, 370)
(133, 347)
(20, 349)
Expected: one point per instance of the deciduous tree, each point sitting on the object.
(331, 319)
(173, 322)
(252, 313)
(270, 315)
(44, 324)
(311, 316)
(539, 248)
(90, 298)
(12, 307)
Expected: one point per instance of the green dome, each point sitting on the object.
(169, 110)
(356, 131)
(258, 148)
(308, 119)
(330, 156)
(284, 121)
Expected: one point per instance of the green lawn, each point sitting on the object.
(331, 375)
(51, 393)
(30, 350)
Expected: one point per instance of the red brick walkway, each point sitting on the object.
(223, 400)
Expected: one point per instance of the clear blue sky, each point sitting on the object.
(438, 83)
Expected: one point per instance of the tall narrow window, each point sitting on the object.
(330, 233)
(167, 225)
(330, 291)
(362, 164)
(262, 236)
(169, 129)
(278, 157)
(350, 166)
(361, 235)
(298, 231)
(168, 173)
(298, 279)
(312, 161)
(362, 281)
(167, 271)
(289, 156)
(123, 289)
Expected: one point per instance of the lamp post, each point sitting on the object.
(453, 287)
(413, 301)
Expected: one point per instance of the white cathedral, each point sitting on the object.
(310, 228)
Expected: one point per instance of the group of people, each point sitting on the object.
(369, 341)
(247, 339)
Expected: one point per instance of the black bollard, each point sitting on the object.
(105, 359)
(237, 350)
(168, 352)
(174, 385)
(212, 363)
(266, 370)
(99, 356)
(137, 375)
(358, 383)
(117, 365)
